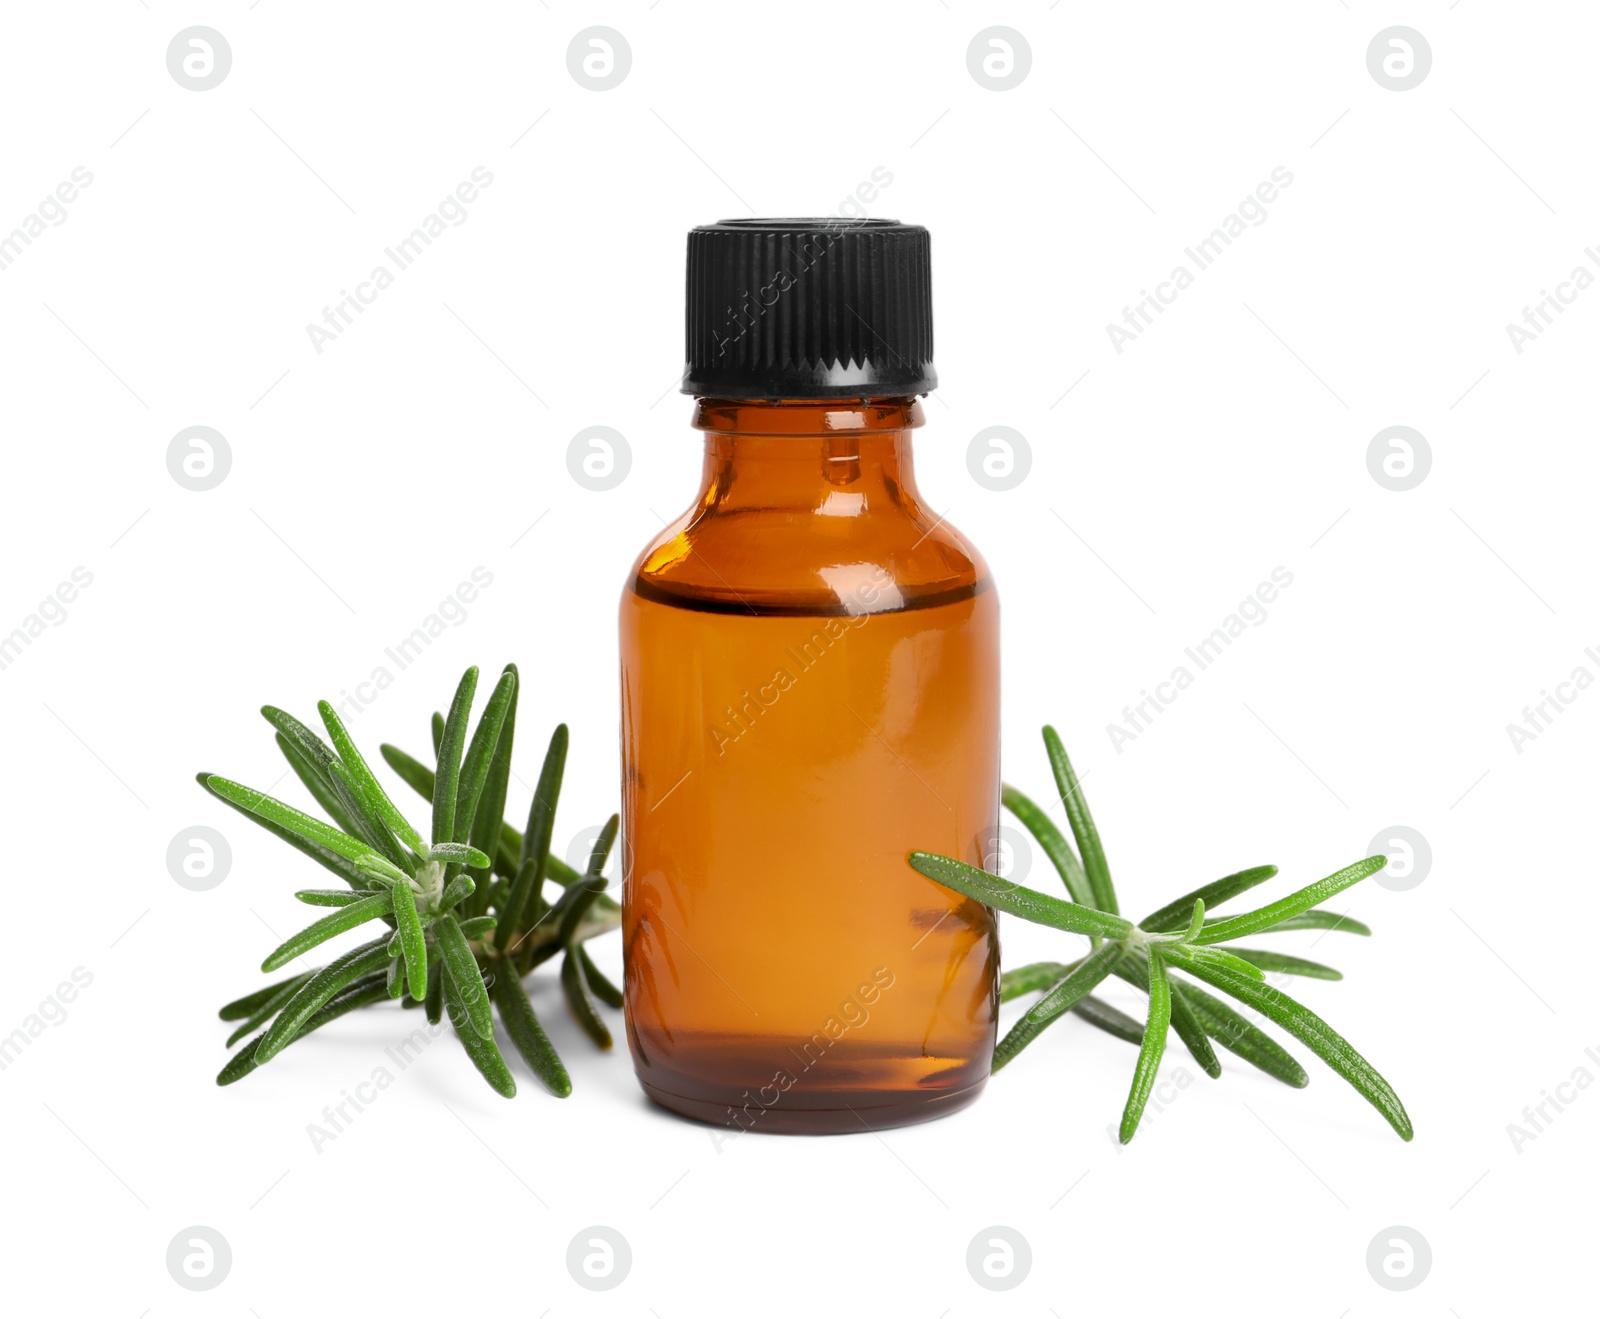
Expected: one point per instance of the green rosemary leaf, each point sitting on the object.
(366, 783)
(328, 859)
(522, 1024)
(577, 901)
(462, 968)
(1222, 957)
(1185, 1023)
(1310, 1029)
(434, 1002)
(1320, 918)
(1089, 847)
(602, 846)
(373, 827)
(1026, 979)
(1196, 921)
(436, 726)
(318, 784)
(1097, 1012)
(1294, 966)
(451, 743)
(412, 939)
(458, 852)
(368, 990)
(1052, 840)
(457, 890)
(328, 897)
(268, 1007)
(1175, 914)
(413, 773)
(488, 819)
(480, 755)
(1263, 918)
(377, 868)
(481, 1048)
(329, 927)
(243, 1007)
(339, 973)
(1242, 1037)
(536, 839)
(580, 1004)
(1073, 986)
(1039, 908)
(306, 826)
(1153, 1046)
(396, 982)
(603, 989)
(475, 927)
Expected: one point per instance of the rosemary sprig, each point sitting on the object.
(466, 911)
(1178, 937)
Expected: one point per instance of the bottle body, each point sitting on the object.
(810, 689)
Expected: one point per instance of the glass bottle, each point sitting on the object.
(810, 689)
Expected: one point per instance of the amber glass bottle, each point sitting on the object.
(810, 689)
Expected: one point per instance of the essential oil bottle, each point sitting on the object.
(810, 689)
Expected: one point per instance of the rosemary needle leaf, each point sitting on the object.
(1097, 1012)
(1173, 916)
(330, 926)
(1196, 921)
(462, 968)
(528, 1035)
(1052, 840)
(434, 1003)
(488, 820)
(480, 756)
(1274, 913)
(358, 995)
(268, 1008)
(1308, 1028)
(373, 866)
(1073, 986)
(323, 856)
(413, 773)
(1221, 957)
(317, 784)
(1242, 1037)
(243, 1007)
(580, 1004)
(328, 897)
(458, 852)
(437, 728)
(1153, 1046)
(280, 813)
(1320, 918)
(1026, 979)
(457, 890)
(1089, 847)
(604, 990)
(1294, 966)
(396, 982)
(451, 742)
(536, 840)
(366, 783)
(577, 900)
(602, 846)
(475, 927)
(1040, 908)
(413, 941)
(482, 1049)
(312, 995)
(1185, 1023)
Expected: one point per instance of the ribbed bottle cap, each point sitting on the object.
(810, 308)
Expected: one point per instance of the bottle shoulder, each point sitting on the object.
(822, 561)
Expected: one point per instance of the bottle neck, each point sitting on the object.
(821, 456)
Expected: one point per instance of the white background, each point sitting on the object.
(1166, 482)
